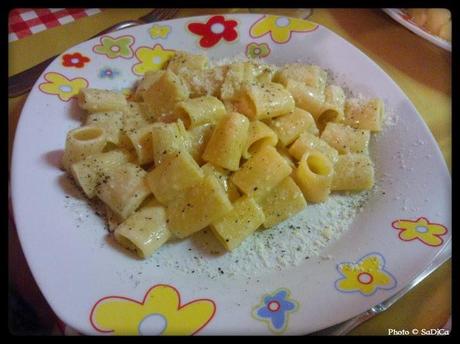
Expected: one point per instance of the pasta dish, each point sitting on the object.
(234, 148)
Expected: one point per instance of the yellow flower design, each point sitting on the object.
(365, 276)
(58, 84)
(151, 59)
(421, 229)
(280, 28)
(160, 312)
(159, 31)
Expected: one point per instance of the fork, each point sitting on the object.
(21, 83)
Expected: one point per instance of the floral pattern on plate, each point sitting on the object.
(115, 47)
(76, 60)
(151, 59)
(214, 30)
(160, 31)
(275, 308)
(108, 73)
(421, 229)
(365, 276)
(254, 50)
(159, 313)
(57, 84)
(280, 28)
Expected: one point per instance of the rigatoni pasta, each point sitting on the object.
(227, 142)
(197, 207)
(123, 189)
(259, 135)
(174, 175)
(237, 75)
(198, 111)
(141, 140)
(233, 148)
(83, 142)
(261, 173)
(150, 77)
(236, 225)
(361, 114)
(310, 75)
(163, 95)
(308, 142)
(111, 122)
(144, 231)
(290, 126)
(222, 176)
(306, 97)
(333, 107)
(314, 176)
(260, 101)
(169, 139)
(95, 100)
(91, 171)
(284, 201)
(353, 172)
(198, 139)
(346, 139)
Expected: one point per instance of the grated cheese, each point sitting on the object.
(286, 245)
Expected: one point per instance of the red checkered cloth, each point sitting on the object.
(23, 22)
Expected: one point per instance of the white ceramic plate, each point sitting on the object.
(402, 18)
(98, 289)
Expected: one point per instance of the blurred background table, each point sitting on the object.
(422, 70)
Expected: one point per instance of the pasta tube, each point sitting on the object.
(82, 142)
(290, 126)
(353, 172)
(198, 111)
(94, 100)
(260, 101)
(144, 231)
(239, 223)
(314, 176)
(261, 173)
(227, 142)
(259, 135)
